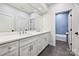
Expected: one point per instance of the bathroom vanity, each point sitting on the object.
(31, 44)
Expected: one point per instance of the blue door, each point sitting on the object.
(62, 23)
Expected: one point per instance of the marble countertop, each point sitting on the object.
(9, 38)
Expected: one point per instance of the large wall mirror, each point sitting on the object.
(15, 19)
(9, 23)
(6, 23)
(12, 19)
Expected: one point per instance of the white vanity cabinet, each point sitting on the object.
(28, 46)
(9, 49)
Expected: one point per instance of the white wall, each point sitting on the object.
(49, 18)
(75, 28)
(8, 16)
(48, 25)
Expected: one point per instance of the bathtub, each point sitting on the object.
(61, 37)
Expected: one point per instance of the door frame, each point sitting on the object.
(70, 30)
(55, 20)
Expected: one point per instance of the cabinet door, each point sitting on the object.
(43, 41)
(40, 44)
(46, 38)
(13, 48)
(25, 50)
(34, 48)
(4, 50)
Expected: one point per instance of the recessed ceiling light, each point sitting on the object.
(40, 8)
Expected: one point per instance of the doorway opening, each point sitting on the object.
(63, 26)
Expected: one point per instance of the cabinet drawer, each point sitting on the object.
(24, 41)
(46, 35)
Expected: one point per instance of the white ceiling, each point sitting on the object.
(29, 8)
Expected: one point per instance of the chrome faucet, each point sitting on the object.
(20, 33)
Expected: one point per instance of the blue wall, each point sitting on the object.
(62, 23)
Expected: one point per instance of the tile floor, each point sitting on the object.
(61, 49)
